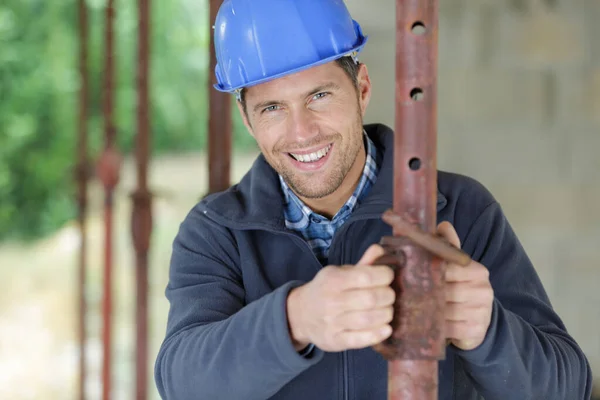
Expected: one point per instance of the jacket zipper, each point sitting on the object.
(345, 373)
(346, 389)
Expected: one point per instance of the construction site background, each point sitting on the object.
(519, 110)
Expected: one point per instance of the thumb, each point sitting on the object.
(447, 231)
(373, 253)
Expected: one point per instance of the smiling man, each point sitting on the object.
(309, 128)
(272, 286)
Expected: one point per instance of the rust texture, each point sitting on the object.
(417, 341)
(81, 178)
(417, 329)
(430, 242)
(219, 123)
(412, 379)
(108, 171)
(141, 219)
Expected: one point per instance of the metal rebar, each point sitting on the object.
(417, 341)
(81, 177)
(108, 171)
(141, 220)
(219, 122)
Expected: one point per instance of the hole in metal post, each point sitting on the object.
(418, 28)
(414, 164)
(417, 94)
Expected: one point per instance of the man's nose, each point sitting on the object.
(303, 125)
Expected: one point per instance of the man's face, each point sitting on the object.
(309, 126)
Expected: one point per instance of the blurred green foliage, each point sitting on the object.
(39, 83)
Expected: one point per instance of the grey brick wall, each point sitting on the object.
(519, 110)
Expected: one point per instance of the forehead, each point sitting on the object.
(299, 83)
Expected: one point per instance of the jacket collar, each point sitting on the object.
(257, 201)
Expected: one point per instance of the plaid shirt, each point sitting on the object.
(316, 229)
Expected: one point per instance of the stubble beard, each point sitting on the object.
(323, 183)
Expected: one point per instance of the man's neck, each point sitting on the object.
(329, 205)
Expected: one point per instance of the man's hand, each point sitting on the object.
(469, 298)
(347, 307)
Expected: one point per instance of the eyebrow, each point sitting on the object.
(312, 92)
(323, 88)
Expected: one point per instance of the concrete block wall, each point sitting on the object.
(519, 110)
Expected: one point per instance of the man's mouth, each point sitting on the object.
(311, 157)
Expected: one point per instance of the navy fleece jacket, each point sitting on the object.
(234, 263)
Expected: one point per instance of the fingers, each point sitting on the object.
(474, 272)
(459, 312)
(468, 312)
(373, 253)
(466, 292)
(363, 276)
(447, 231)
(368, 299)
(456, 273)
(468, 334)
(366, 319)
(358, 339)
(352, 304)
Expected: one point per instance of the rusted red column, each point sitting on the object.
(81, 177)
(219, 122)
(108, 172)
(141, 219)
(418, 341)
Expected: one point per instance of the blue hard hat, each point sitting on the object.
(260, 40)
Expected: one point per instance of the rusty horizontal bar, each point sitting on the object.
(430, 242)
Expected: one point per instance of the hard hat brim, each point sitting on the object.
(356, 48)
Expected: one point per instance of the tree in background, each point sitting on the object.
(38, 99)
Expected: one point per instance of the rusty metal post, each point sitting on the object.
(219, 122)
(141, 219)
(81, 177)
(108, 172)
(418, 341)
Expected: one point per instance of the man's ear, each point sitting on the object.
(364, 88)
(244, 117)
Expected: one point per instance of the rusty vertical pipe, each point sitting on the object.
(81, 177)
(108, 172)
(414, 375)
(109, 74)
(141, 219)
(219, 122)
(417, 342)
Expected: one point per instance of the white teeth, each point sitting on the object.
(317, 155)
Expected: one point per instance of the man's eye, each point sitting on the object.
(320, 95)
(271, 108)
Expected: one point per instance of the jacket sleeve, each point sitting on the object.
(527, 353)
(216, 346)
